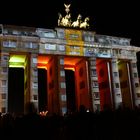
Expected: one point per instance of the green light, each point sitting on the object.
(17, 61)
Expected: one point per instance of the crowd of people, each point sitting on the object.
(119, 124)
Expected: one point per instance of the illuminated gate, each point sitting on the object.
(101, 67)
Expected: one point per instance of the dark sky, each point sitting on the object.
(116, 18)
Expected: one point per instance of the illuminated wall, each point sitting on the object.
(52, 81)
(74, 42)
(82, 84)
(104, 80)
(73, 35)
(125, 83)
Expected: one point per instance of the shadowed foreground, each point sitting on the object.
(120, 124)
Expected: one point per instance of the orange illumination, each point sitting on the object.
(71, 60)
(42, 65)
(43, 61)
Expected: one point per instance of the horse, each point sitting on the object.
(64, 21)
(85, 24)
(77, 22)
(59, 19)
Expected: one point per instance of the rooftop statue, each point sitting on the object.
(59, 19)
(77, 23)
(67, 7)
(66, 20)
(85, 24)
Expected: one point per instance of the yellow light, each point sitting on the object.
(42, 67)
(17, 60)
(69, 68)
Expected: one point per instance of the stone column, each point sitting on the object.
(34, 80)
(62, 86)
(116, 83)
(94, 84)
(4, 60)
(135, 82)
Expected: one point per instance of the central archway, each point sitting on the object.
(79, 78)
